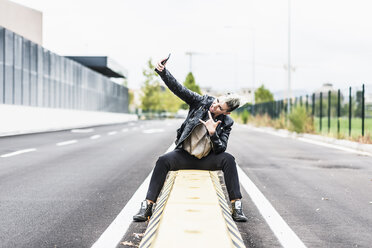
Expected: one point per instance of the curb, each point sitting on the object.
(17, 120)
(358, 147)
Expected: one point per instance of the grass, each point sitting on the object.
(356, 126)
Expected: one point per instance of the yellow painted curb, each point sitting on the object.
(192, 212)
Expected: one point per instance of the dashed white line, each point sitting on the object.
(97, 136)
(86, 130)
(153, 131)
(116, 230)
(68, 142)
(17, 152)
(112, 133)
(286, 236)
(124, 130)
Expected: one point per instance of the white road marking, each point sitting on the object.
(86, 130)
(124, 130)
(112, 133)
(335, 146)
(320, 143)
(116, 230)
(283, 135)
(285, 235)
(17, 152)
(97, 136)
(68, 142)
(153, 131)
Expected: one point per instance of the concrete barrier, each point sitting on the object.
(16, 119)
(192, 212)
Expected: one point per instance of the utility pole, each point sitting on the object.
(289, 57)
(190, 54)
(253, 68)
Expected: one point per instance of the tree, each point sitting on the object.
(154, 97)
(191, 85)
(125, 82)
(130, 96)
(170, 102)
(263, 95)
(150, 100)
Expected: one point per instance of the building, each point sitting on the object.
(247, 95)
(325, 89)
(22, 20)
(31, 75)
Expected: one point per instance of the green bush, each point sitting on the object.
(280, 123)
(245, 116)
(300, 121)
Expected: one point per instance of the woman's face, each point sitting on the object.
(219, 107)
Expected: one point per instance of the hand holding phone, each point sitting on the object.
(161, 64)
(165, 60)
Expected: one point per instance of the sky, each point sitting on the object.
(331, 40)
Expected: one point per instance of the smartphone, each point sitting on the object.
(165, 61)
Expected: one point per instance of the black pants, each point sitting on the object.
(179, 159)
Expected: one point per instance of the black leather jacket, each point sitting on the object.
(199, 106)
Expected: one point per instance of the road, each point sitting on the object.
(66, 187)
(66, 196)
(323, 194)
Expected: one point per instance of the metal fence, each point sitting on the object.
(347, 112)
(33, 76)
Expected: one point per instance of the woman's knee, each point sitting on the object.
(228, 161)
(162, 162)
(165, 161)
(229, 158)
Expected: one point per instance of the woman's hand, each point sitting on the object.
(160, 66)
(210, 124)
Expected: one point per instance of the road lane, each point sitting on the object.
(322, 193)
(18, 142)
(67, 196)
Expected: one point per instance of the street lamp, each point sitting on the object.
(190, 58)
(289, 57)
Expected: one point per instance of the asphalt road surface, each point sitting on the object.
(67, 195)
(63, 189)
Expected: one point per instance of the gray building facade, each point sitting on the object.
(31, 75)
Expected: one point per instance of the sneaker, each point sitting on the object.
(145, 211)
(237, 212)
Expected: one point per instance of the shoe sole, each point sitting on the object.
(240, 220)
(139, 219)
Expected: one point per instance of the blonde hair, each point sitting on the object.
(232, 101)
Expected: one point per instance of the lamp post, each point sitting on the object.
(289, 57)
(190, 59)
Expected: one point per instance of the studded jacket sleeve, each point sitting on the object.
(178, 89)
(220, 137)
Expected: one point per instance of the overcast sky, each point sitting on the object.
(331, 39)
